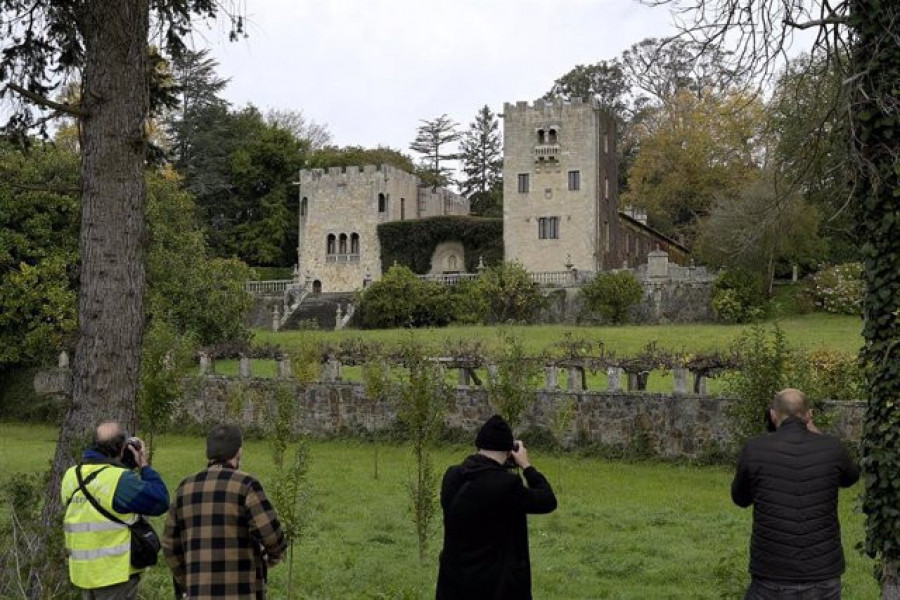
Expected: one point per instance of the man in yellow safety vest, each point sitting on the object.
(99, 549)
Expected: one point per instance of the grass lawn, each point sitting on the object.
(638, 531)
(811, 331)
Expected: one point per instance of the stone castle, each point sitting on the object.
(560, 208)
(340, 210)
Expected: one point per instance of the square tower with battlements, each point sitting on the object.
(560, 186)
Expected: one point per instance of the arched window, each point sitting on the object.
(551, 138)
(540, 136)
(303, 206)
(317, 287)
(354, 243)
(382, 203)
(342, 244)
(329, 248)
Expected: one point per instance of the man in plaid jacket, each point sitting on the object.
(222, 533)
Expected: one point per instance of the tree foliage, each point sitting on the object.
(613, 294)
(481, 152)
(354, 156)
(432, 139)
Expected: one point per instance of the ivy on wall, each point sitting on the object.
(412, 243)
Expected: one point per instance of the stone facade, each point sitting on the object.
(560, 191)
(559, 186)
(683, 425)
(340, 210)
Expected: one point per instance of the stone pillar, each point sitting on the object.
(276, 318)
(700, 385)
(338, 317)
(284, 366)
(681, 380)
(552, 380)
(613, 379)
(244, 371)
(332, 371)
(492, 373)
(658, 265)
(63, 360)
(575, 380)
(205, 363)
(794, 273)
(464, 379)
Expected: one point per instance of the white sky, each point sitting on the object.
(371, 69)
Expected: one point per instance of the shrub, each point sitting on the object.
(828, 375)
(507, 293)
(738, 296)
(838, 289)
(612, 294)
(401, 299)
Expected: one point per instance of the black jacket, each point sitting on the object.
(791, 478)
(485, 555)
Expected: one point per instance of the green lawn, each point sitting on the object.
(815, 330)
(641, 531)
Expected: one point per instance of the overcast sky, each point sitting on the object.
(371, 69)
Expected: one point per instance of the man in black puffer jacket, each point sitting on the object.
(485, 555)
(791, 478)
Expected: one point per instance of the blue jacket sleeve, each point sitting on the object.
(145, 495)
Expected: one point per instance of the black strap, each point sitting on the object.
(82, 483)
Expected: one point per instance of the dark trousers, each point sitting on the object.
(761, 589)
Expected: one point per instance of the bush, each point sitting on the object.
(402, 299)
(506, 293)
(838, 289)
(738, 296)
(612, 295)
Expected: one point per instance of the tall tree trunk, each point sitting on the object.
(110, 299)
(875, 113)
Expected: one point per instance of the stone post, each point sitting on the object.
(276, 318)
(244, 371)
(464, 379)
(492, 372)
(700, 385)
(794, 273)
(205, 363)
(332, 371)
(284, 366)
(552, 378)
(63, 360)
(613, 379)
(338, 317)
(658, 264)
(681, 380)
(575, 380)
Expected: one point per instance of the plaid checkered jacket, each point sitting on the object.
(221, 534)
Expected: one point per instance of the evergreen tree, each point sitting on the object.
(432, 137)
(481, 153)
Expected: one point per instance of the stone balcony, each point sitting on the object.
(548, 152)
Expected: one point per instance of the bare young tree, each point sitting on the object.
(861, 38)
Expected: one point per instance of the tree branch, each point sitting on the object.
(815, 23)
(38, 99)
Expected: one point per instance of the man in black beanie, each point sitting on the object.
(485, 553)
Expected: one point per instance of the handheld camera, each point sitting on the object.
(127, 457)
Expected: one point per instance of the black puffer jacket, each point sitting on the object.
(791, 478)
(485, 555)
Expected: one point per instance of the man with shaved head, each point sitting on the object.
(792, 477)
(99, 548)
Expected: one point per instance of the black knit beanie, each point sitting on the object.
(495, 434)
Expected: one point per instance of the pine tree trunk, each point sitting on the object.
(890, 582)
(110, 297)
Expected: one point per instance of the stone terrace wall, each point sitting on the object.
(669, 425)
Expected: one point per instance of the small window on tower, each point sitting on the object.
(551, 137)
(523, 183)
(541, 136)
(303, 206)
(574, 180)
(382, 203)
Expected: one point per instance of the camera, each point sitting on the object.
(127, 457)
(510, 461)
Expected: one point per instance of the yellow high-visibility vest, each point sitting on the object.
(99, 549)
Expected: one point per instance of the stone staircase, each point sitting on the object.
(322, 309)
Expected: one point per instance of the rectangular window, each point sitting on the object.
(548, 228)
(606, 189)
(523, 183)
(574, 180)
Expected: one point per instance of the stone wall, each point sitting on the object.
(666, 424)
